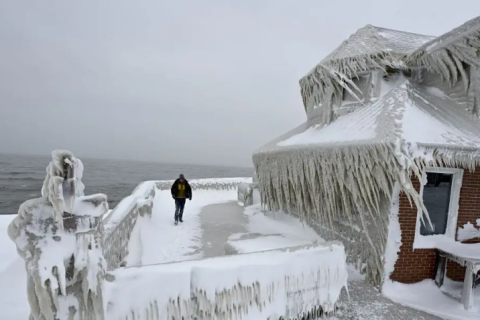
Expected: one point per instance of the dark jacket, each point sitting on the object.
(188, 189)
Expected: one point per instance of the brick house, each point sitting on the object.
(388, 160)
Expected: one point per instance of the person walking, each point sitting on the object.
(181, 191)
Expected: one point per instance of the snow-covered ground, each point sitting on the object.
(271, 230)
(13, 281)
(426, 296)
(7, 248)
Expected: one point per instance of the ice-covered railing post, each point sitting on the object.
(59, 237)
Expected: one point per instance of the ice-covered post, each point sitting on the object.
(59, 236)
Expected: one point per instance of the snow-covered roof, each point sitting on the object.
(419, 116)
(371, 40)
(373, 48)
(409, 113)
(446, 54)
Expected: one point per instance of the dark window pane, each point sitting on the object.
(361, 82)
(436, 197)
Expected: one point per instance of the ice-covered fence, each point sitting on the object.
(277, 284)
(118, 225)
(207, 184)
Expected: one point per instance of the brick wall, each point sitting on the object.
(413, 266)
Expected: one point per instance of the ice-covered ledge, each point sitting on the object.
(120, 222)
(59, 237)
(467, 255)
(301, 282)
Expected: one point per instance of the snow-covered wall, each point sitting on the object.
(288, 283)
(121, 221)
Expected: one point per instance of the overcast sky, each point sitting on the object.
(203, 82)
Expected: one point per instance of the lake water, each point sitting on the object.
(21, 177)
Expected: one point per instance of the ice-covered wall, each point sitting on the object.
(276, 284)
(120, 223)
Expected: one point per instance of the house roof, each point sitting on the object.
(371, 40)
(412, 114)
(373, 48)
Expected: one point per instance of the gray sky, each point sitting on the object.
(202, 82)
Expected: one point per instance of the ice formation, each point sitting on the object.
(273, 284)
(59, 237)
(412, 110)
(394, 238)
(245, 194)
(468, 231)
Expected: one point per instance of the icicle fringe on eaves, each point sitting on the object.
(447, 54)
(447, 156)
(320, 184)
(327, 81)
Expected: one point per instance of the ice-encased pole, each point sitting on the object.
(59, 237)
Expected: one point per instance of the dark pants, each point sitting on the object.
(179, 205)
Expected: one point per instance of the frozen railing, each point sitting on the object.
(294, 283)
(208, 184)
(119, 223)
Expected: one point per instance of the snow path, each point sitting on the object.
(162, 241)
(219, 222)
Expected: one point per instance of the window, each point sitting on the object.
(436, 197)
(361, 82)
(440, 194)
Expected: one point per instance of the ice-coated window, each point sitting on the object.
(436, 197)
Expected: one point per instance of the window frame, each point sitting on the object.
(367, 77)
(421, 241)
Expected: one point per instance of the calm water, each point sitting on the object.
(21, 177)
